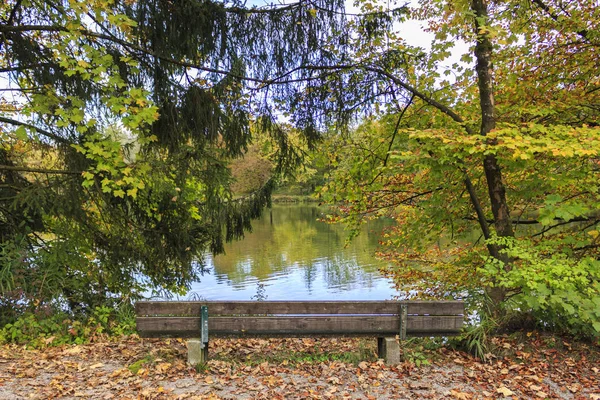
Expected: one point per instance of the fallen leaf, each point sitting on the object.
(460, 395)
(163, 367)
(74, 350)
(271, 380)
(504, 391)
(574, 388)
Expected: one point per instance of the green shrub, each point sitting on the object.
(562, 293)
(38, 330)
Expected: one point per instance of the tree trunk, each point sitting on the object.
(493, 172)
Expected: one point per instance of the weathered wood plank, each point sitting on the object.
(297, 326)
(192, 308)
(272, 325)
(438, 324)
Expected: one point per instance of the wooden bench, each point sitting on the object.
(386, 320)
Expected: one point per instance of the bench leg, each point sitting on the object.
(389, 349)
(197, 352)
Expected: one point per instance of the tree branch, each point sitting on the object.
(587, 247)
(370, 68)
(26, 28)
(264, 82)
(549, 228)
(21, 68)
(583, 32)
(387, 154)
(483, 223)
(44, 132)
(38, 170)
(13, 12)
(534, 221)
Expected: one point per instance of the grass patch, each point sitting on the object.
(202, 367)
(139, 364)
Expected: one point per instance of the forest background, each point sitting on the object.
(126, 126)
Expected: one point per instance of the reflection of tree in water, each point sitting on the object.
(289, 238)
(310, 274)
(340, 272)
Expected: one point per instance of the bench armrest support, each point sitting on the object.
(204, 325)
(403, 321)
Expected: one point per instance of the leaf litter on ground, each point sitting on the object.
(536, 367)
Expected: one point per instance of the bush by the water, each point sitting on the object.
(38, 330)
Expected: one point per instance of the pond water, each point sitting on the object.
(290, 255)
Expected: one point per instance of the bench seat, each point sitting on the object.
(382, 319)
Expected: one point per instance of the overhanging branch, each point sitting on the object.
(38, 170)
(41, 131)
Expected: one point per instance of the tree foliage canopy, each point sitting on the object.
(491, 172)
(118, 119)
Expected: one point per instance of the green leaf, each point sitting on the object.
(21, 133)
(132, 192)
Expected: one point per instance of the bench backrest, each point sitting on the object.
(300, 318)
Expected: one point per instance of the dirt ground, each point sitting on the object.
(133, 368)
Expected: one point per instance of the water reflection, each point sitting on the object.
(291, 255)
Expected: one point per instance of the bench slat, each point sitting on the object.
(298, 326)
(192, 308)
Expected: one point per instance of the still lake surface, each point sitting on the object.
(290, 255)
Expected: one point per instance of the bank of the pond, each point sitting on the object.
(292, 198)
(534, 366)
